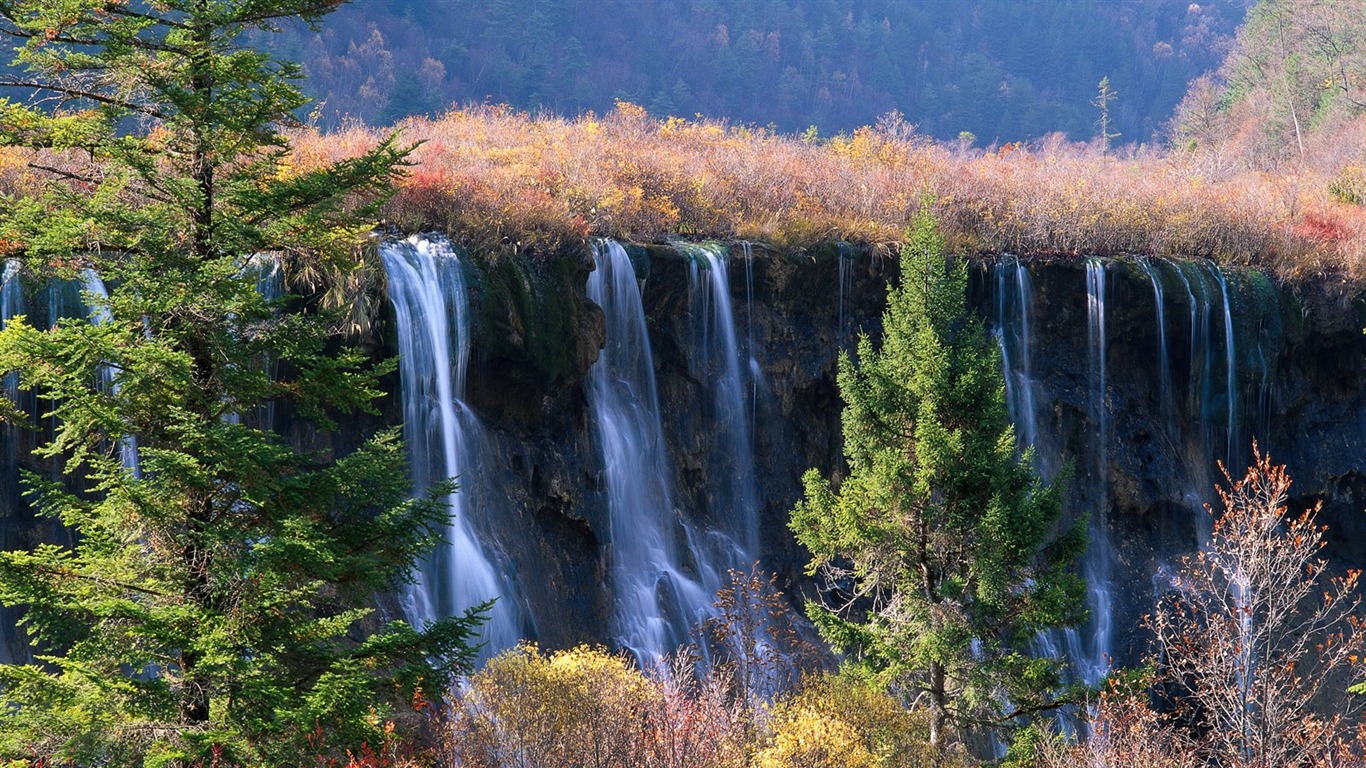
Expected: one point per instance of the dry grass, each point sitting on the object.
(506, 181)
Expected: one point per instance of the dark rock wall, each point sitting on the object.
(1305, 340)
(535, 336)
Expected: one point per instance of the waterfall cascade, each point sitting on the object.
(95, 296)
(11, 304)
(649, 520)
(1224, 400)
(666, 568)
(13, 648)
(1092, 657)
(430, 300)
(717, 364)
(657, 601)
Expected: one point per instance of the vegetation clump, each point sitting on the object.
(213, 601)
(941, 550)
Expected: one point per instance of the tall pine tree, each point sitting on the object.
(213, 603)
(942, 549)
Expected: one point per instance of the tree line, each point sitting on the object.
(999, 71)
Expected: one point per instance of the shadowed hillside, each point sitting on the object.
(1003, 71)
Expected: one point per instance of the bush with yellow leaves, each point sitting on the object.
(846, 721)
(581, 707)
(587, 708)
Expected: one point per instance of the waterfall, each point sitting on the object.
(268, 274)
(266, 271)
(1166, 405)
(1231, 365)
(11, 304)
(1014, 294)
(846, 280)
(1093, 658)
(717, 367)
(13, 645)
(445, 440)
(96, 299)
(657, 604)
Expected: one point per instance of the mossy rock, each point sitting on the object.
(532, 311)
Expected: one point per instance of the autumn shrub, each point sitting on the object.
(1349, 186)
(577, 708)
(753, 639)
(696, 721)
(847, 721)
(1124, 732)
(587, 708)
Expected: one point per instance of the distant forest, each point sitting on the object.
(1002, 70)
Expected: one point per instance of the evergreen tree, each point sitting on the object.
(1105, 96)
(942, 548)
(213, 604)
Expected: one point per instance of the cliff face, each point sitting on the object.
(1140, 419)
(1297, 356)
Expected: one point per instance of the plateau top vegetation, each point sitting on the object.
(1265, 168)
(500, 180)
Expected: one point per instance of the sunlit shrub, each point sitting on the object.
(587, 708)
(844, 721)
(577, 708)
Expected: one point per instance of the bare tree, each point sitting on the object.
(1254, 629)
(755, 636)
(1125, 732)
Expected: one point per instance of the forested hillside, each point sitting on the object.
(1290, 94)
(1002, 71)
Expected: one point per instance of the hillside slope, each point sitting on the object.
(1004, 71)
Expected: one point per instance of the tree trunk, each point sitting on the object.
(939, 708)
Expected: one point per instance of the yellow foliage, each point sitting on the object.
(581, 707)
(631, 111)
(809, 739)
(842, 721)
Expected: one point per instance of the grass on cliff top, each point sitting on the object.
(505, 181)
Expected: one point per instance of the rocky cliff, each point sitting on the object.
(1297, 355)
(1182, 367)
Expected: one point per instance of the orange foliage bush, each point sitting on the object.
(505, 180)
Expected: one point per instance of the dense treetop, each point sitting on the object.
(1004, 71)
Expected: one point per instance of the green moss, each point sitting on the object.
(529, 311)
(641, 259)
